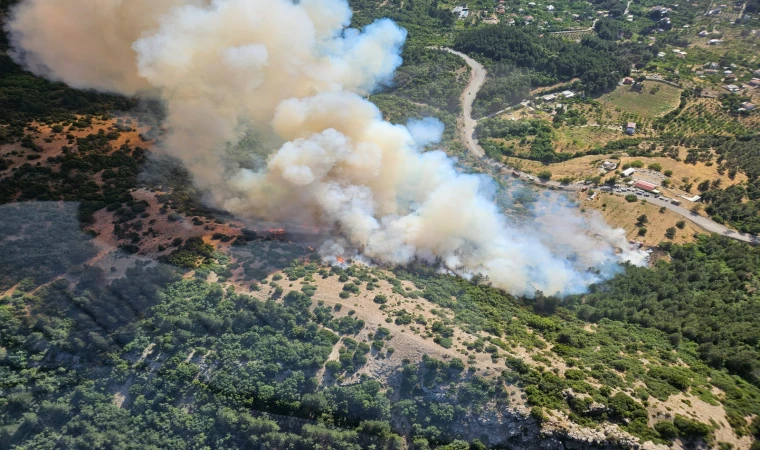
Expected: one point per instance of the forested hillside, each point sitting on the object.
(553, 59)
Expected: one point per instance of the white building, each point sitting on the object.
(463, 11)
(628, 172)
(568, 94)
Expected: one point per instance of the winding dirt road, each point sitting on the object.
(477, 78)
(467, 135)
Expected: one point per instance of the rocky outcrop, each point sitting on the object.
(561, 433)
(516, 428)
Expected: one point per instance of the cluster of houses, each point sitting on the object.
(638, 186)
(462, 12)
(754, 83)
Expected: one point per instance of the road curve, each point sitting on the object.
(467, 134)
(477, 78)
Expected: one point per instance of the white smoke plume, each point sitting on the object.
(221, 66)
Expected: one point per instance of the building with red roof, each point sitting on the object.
(645, 185)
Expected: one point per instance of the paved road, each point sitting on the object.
(467, 134)
(703, 222)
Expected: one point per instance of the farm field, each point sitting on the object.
(583, 138)
(645, 103)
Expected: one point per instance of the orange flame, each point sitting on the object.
(341, 260)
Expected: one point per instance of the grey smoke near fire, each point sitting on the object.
(222, 66)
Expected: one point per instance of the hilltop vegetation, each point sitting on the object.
(551, 59)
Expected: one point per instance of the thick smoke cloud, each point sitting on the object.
(222, 66)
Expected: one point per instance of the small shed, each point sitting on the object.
(630, 127)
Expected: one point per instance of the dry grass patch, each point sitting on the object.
(620, 213)
(574, 139)
(588, 166)
(577, 168)
(52, 143)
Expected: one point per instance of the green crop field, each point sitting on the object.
(654, 100)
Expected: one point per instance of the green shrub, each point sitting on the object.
(690, 428)
(443, 342)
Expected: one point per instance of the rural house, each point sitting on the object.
(630, 128)
(609, 165)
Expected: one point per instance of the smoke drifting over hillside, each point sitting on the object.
(221, 66)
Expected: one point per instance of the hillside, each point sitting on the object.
(138, 311)
(370, 324)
